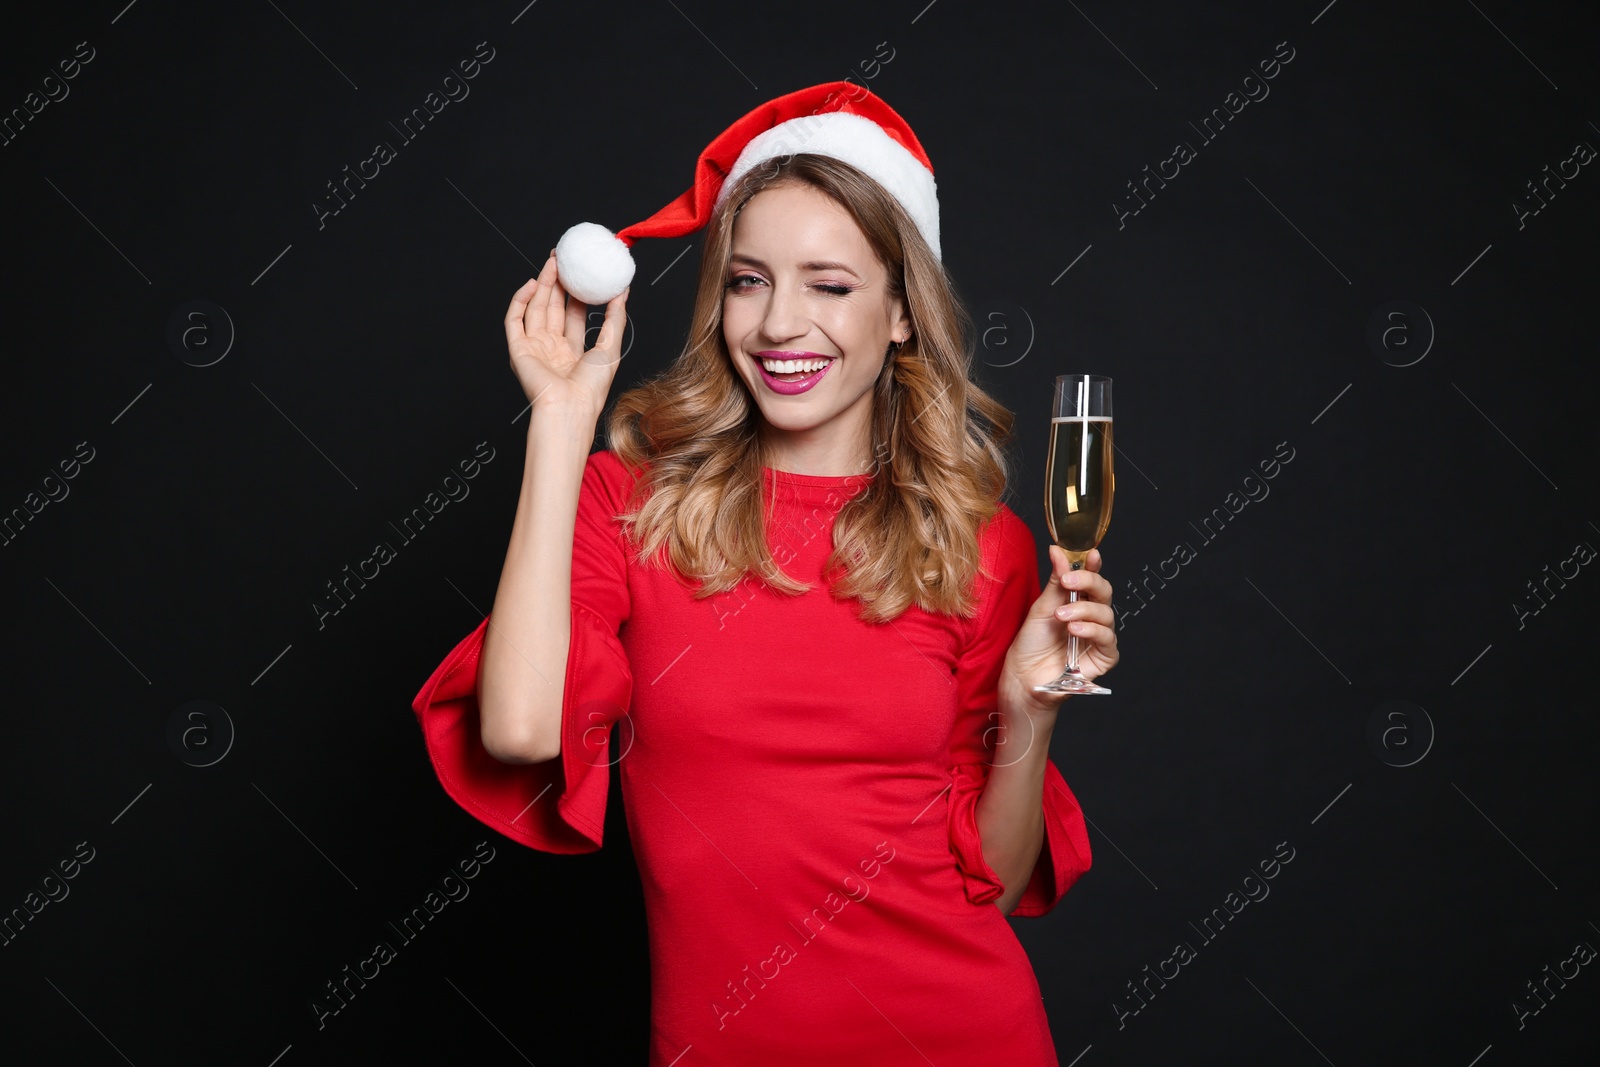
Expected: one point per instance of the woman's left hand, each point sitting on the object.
(1039, 651)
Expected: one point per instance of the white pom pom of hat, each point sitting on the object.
(595, 264)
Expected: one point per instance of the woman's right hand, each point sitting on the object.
(545, 332)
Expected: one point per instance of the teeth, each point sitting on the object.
(793, 366)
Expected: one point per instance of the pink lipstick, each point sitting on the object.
(800, 385)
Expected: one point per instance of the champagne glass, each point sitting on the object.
(1079, 483)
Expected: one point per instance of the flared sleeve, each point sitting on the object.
(558, 805)
(1010, 555)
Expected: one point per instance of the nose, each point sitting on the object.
(785, 315)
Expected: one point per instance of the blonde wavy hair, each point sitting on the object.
(692, 433)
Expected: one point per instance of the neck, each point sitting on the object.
(821, 459)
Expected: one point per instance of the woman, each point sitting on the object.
(790, 583)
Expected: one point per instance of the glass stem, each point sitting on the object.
(1072, 597)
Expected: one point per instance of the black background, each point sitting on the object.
(366, 357)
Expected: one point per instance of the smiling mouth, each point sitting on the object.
(793, 369)
(809, 369)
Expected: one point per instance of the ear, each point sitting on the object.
(900, 331)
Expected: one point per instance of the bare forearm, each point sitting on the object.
(522, 671)
(1011, 808)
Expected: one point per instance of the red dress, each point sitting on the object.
(801, 789)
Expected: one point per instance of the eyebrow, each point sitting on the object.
(813, 265)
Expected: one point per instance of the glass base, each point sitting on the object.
(1073, 682)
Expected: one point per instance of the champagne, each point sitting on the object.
(1079, 482)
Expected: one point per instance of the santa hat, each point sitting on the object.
(838, 119)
